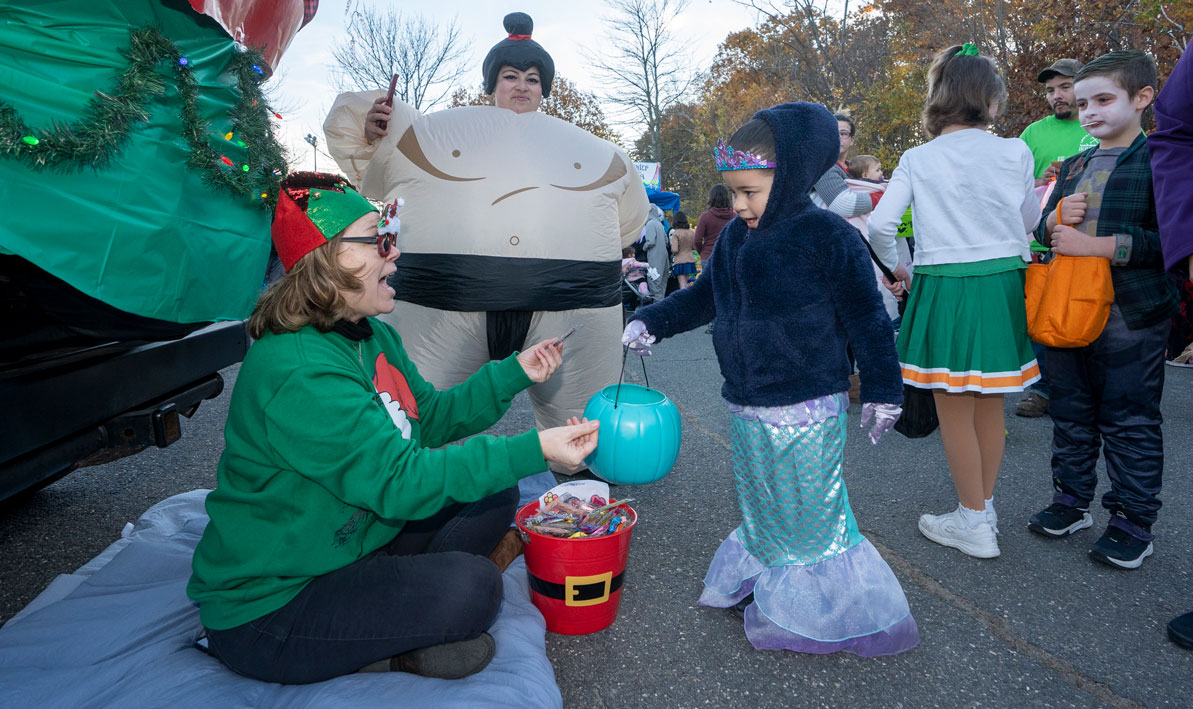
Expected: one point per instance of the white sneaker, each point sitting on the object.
(992, 520)
(950, 530)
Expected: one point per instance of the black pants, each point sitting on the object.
(431, 585)
(1107, 395)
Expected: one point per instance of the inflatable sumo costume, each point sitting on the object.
(513, 232)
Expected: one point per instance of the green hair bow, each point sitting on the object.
(967, 50)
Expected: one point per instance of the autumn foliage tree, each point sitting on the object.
(872, 59)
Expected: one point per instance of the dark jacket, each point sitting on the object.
(708, 228)
(787, 295)
(1144, 294)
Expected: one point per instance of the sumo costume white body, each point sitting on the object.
(502, 210)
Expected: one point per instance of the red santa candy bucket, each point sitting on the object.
(576, 583)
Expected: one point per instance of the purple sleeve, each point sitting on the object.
(1171, 147)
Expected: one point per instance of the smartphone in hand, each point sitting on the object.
(389, 100)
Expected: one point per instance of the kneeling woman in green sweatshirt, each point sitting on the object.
(343, 532)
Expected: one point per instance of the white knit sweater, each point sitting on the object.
(972, 198)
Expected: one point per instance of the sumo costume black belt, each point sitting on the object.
(472, 283)
(508, 290)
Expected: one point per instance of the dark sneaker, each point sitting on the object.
(1180, 631)
(1060, 520)
(741, 606)
(449, 660)
(1119, 548)
(1032, 406)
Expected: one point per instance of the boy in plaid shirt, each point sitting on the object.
(1108, 392)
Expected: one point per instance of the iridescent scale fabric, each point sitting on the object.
(794, 506)
(819, 586)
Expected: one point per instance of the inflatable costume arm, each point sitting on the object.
(632, 206)
(344, 130)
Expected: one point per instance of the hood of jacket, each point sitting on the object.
(655, 213)
(806, 146)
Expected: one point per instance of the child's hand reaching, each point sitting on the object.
(884, 417)
(637, 338)
(902, 278)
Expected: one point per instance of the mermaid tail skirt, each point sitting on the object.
(819, 586)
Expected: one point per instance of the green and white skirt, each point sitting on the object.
(965, 329)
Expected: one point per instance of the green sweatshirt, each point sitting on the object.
(330, 445)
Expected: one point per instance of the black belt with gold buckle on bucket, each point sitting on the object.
(579, 590)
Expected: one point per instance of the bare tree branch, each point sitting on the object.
(428, 58)
(642, 63)
(1181, 34)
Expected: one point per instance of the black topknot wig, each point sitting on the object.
(519, 51)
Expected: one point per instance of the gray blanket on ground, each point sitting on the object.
(120, 632)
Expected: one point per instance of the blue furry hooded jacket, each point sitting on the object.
(788, 295)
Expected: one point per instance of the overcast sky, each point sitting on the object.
(306, 88)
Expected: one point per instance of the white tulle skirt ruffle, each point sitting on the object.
(851, 602)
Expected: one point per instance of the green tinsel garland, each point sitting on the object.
(108, 121)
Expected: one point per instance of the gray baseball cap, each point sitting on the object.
(1064, 67)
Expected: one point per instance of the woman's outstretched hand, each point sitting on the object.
(569, 445)
(540, 361)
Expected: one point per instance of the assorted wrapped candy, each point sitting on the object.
(567, 516)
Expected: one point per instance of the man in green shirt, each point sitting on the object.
(1052, 139)
(1059, 135)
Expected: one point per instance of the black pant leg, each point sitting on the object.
(1073, 405)
(375, 608)
(1129, 419)
(431, 585)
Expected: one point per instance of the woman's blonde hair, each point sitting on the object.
(308, 294)
(960, 91)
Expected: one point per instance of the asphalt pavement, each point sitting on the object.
(1042, 625)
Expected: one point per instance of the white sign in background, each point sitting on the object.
(652, 173)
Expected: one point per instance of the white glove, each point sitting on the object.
(637, 338)
(884, 417)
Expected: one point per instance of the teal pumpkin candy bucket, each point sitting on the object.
(639, 435)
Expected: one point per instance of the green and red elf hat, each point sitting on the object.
(313, 207)
(519, 51)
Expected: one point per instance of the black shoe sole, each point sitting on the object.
(1180, 640)
(1084, 523)
(1183, 638)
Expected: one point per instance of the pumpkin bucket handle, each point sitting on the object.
(625, 351)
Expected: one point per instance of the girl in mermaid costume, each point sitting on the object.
(788, 285)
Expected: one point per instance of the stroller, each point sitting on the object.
(632, 285)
